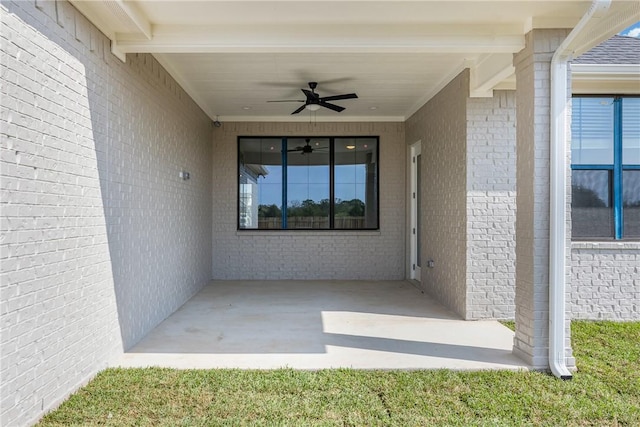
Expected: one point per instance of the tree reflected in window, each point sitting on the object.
(308, 183)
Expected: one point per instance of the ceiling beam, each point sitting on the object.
(128, 14)
(114, 16)
(488, 72)
(318, 38)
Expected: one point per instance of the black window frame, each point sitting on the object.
(331, 184)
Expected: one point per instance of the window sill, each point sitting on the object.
(311, 233)
(620, 244)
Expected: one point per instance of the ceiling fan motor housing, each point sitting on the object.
(315, 101)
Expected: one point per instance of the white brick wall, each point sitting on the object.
(491, 206)
(469, 199)
(101, 240)
(305, 254)
(605, 280)
(441, 125)
(532, 223)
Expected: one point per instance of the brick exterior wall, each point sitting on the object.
(532, 64)
(101, 240)
(605, 280)
(491, 206)
(441, 125)
(276, 255)
(468, 212)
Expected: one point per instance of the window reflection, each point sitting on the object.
(631, 202)
(592, 131)
(631, 131)
(260, 192)
(308, 183)
(591, 207)
(356, 183)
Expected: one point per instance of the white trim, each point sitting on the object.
(415, 272)
(117, 52)
(251, 38)
(597, 87)
(605, 79)
(488, 72)
(606, 71)
(137, 18)
(311, 118)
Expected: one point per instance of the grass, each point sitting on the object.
(604, 392)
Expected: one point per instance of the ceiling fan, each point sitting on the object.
(314, 101)
(307, 148)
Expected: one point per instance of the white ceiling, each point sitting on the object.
(234, 56)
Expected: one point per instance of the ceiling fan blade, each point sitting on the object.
(287, 100)
(299, 109)
(331, 106)
(295, 149)
(334, 81)
(338, 97)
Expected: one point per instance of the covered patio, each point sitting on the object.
(321, 324)
(122, 171)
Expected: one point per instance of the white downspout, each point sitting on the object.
(558, 230)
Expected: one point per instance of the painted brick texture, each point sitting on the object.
(491, 206)
(532, 200)
(605, 281)
(101, 240)
(277, 255)
(468, 211)
(441, 126)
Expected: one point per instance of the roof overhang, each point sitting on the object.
(233, 56)
(605, 79)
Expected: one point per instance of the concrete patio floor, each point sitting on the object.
(321, 324)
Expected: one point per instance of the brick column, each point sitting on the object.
(532, 65)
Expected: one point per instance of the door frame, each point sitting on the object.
(415, 270)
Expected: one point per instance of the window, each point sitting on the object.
(605, 178)
(308, 183)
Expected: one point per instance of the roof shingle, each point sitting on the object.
(616, 50)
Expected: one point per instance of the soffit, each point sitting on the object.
(229, 55)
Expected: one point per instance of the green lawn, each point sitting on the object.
(604, 392)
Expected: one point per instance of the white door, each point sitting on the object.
(415, 210)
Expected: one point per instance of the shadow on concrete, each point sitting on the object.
(286, 316)
(321, 324)
(432, 349)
